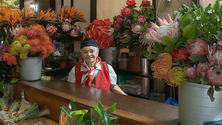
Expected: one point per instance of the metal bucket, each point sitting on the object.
(30, 68)
(195, 106)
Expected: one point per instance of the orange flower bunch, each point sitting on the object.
(32, 40)
(10, 16)
(74, 14)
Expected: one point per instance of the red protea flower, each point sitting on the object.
(191, 71)
(202, 67)
(146, 3)
(31, 34)
(126, 11)
(141, 19)
(198, 46)
(180, 54)
(214, 75)
(50, 29)
(130, 2)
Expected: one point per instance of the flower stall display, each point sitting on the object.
(188, 54)
(130, 27)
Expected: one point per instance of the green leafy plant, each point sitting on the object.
(98, 116)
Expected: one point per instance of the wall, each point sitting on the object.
(163, 8)
(110, 8)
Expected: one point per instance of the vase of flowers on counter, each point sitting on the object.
(187, 53)
(130, 30)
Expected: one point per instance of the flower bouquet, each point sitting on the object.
(187, 53)
(68, 30)
(130, 27)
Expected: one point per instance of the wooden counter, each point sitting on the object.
(131, 110)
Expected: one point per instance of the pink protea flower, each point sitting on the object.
(198, 46)
(126, 11)
(66, 27)
(191, 71)
(165, 29)
(202, 67)
(50, 29)
(137, 28)
(130, 2)
(31, 34)
(75, 31)
(15, 30)
(141, 19)
(214, 75)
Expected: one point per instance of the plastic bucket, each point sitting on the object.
(195, 106)
(30, 68)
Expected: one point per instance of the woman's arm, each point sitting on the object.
(117, 89)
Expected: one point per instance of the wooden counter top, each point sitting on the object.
(131, 110)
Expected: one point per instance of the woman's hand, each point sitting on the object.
(117, 89)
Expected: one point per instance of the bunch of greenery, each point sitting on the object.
(80, 117)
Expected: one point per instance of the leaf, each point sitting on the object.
(152, 56)
(111, 109)
(145, 52)
(2, 88)
(197, 58)
(158, 48)
(126, 23)
(210, 93)
(127, 39)
(80, 120)
(97, 110)
(106, 118)
(184, 20)
(190, 31)
(166, 40)
(66, 112)
(133, 53)
(14, 80)
(100, 107)
(169, 48)
(73, 105)
(217, 88)
(78, 112)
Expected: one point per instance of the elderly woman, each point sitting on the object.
(91, 71)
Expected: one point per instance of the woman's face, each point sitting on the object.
(89, 54)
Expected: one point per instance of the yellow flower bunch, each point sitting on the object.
(20, 47)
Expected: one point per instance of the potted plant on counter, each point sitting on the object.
(74, 57)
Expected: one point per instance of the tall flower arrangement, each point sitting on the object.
(191, 50)
(68, 30)
(130, 27)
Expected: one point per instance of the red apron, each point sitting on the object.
(101, 81)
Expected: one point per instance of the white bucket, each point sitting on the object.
(106, 55)
(195, 106)
(30, 68)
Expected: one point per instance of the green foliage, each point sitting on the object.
(80, 117)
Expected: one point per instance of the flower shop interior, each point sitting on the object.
(166, 55)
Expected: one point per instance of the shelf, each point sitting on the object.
(119, 71)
